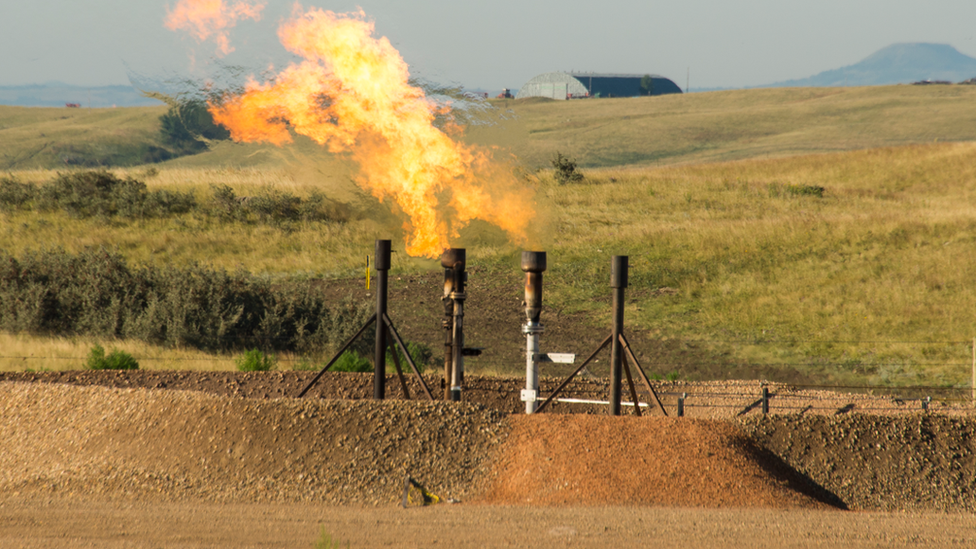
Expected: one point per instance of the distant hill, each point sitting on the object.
(56, 94)
(896, 64)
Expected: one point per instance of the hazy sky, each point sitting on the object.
(501, 43)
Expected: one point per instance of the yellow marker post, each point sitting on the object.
(367, 272)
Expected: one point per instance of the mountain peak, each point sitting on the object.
(896, 64)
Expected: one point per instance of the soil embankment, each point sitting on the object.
(239, 438)
(679, 462)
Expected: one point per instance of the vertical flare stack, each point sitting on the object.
(455, 276)
(533, 264)
(382, 264)
(618, 281)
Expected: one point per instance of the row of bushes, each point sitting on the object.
(96, 293)
(93, 194)
(102, 194)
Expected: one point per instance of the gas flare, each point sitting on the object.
(351, 94)
(205, 18)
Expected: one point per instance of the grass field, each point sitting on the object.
(819, 229)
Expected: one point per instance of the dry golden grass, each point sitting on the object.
(870, 282)
(737, 124)
(26, 352)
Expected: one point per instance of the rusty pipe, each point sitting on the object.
(454, 258)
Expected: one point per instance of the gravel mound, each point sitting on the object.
(904, 463)
(592, 460)
(172, 445)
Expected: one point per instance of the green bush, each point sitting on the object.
(566, 170)
(14, 194)
(351, 361)
(94, 193)
(805, 190)
(116, 360)
(255, 361)
(274, 207)
(97, 294)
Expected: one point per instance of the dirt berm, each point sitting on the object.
(181, 444)
(175, 445)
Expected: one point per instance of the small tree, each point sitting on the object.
(647, 84)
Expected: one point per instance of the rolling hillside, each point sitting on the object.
(699, 127)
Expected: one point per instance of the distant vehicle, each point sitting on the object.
(506, 94)
(73, 105)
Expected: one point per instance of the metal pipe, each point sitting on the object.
(455, 258)
(381, 262)
(533, 264)
(618, 281)
(448, 323)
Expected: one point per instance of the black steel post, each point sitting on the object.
(381, 262)
(681, 404)
(618, 281)
(765, 400)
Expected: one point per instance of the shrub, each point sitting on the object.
(95, 293)
(14, 194)
(566, 171)
(351, 361)
(101, 193)
(274, 207)
(805, 190)
(255, 361)
(116, 360)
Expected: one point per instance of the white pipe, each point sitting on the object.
(532, 332)
(584, 401)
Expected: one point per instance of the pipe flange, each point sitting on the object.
(458, 296)
(533, 329)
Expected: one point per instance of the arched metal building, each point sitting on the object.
(565, 85)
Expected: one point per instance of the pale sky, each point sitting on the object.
(498, 43)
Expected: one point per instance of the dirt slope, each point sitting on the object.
(178, 444)
(593, 460)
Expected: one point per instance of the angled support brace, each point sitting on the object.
(633, 390)
(396, 363)
(406, 354)
(647, 382)
(572, 375)
(336, 357)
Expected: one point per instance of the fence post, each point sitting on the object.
(681, 404)
(765, 400)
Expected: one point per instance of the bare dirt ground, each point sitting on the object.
(46, 522)
(194, 459)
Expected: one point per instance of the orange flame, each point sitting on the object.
(203, 18)
(351, 94)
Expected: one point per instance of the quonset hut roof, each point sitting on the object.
(564, 85)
